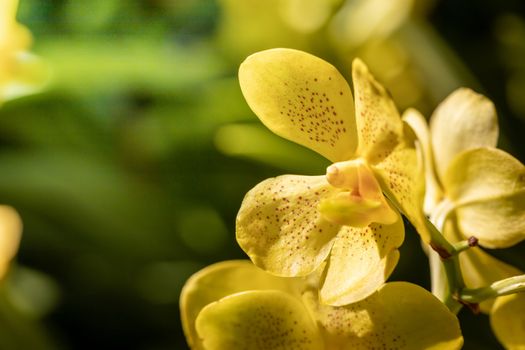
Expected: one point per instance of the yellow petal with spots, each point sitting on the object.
(464, 120)
(400, 175)
(220, 280)
(379, 125)
(508, 321)
(258, 320)
(280, 227)
(303, 99)
(361, 261)
(400, 315)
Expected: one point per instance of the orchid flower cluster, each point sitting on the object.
(323, 247)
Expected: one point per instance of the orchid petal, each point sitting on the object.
(487, 186)
(220, 280)
(483, 174)
(508, 321)
(303, 99)
(258, 320)
(280, 227)
(399, 315)
(400, 177)
(464, 120)
(361, 261)
(433, 190)
(497, 223)
(378, 123)
(348, 209)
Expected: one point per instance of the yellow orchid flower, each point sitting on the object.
(235, 305)
(20, 71)
(290, 224)
(474, 189)
(483, 186)
(10, 232)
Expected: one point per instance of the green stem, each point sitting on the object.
(447, 252)
(506, 286)
(435, 226)
(450, 260)
(455, 283)
(438, 242)
(464, 245)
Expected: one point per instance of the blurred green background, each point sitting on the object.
(129, 168)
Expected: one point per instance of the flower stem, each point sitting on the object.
(506, 286)
(450, 261)
(435, 226)
(464, 245)
(448, 253)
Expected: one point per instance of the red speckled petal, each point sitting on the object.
(258, 320)
(361, 261)
(401, 175)
(400, 315)
(280, 228)
(379, 125)
(219, 280)
(303, 99)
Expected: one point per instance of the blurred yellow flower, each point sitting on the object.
(235, 305)
(251, 25)
(290, 224)
(474, 189)
(21, 72)
(10, 232)
(359, 21)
